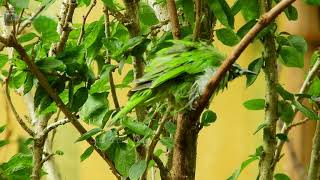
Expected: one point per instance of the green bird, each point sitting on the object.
(182, 71)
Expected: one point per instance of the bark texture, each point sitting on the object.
(185, 146)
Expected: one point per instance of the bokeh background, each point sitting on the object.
(222, 146)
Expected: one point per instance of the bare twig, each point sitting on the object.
(27, 22)
(54, 126)
(84, 19)
(304, 88)
(243, 44)
(46, 158)
(15, 113)
(108, 57)
(156, 137)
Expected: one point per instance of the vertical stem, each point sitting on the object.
(111, 80)
(271, 111)
(197, 25)
(314, 168)
(185, 146)
(173, 15)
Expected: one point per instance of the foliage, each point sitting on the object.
(175, 76)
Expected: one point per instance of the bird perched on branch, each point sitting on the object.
(181, 71)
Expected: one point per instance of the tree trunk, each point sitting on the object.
(185, 146)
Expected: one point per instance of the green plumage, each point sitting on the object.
(182, 70)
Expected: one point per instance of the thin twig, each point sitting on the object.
(15, 113)
(84, 19)
(54, 126)
(47, 158)
(156, 137)
(304, 88)
(20, 19)
(27, 22)
(108, 57)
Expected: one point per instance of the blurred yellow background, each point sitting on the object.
(221, 147)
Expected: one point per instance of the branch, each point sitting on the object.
(54, 126)
(111, 80)
(84, 19)
(304, 88)
(173, 16)
(315, 155)
(197, 25)
(27, 22)
(46, 158)
(156, 138)
(164, 173)
(15, 113)
(247, 39)
(46, 86)
(66, 29)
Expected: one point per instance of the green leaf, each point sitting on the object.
(124, 158)
(95, 109)
(250, 9)
(167, 141)
(291, 57)
(313, 2)
(291, 13)
(128, 78)
(261, 126)
(280, 176)
(86, 153)
(3, 60)
(3, 143)
(222, 12)
(106, 139)
(306, 111)
(188, 10)
(246, 28)
(298, 42)
(137, 170)
(28, 83)
(286, 112)
(110, 4)
(27, 37)
(208, 117)
(137, 127)
(102, 84)
(170, 127)
(84, 2)
(286, 95)
(20, 3)
(314, 89)
(244, 164)
(255, 104)
(79, 98)
(254, 66)
(88, 134)
(47, 28)
(50, 64)
(227, 36)
(282, 137)
(2, 128)
(236, 7)
(147, 15)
